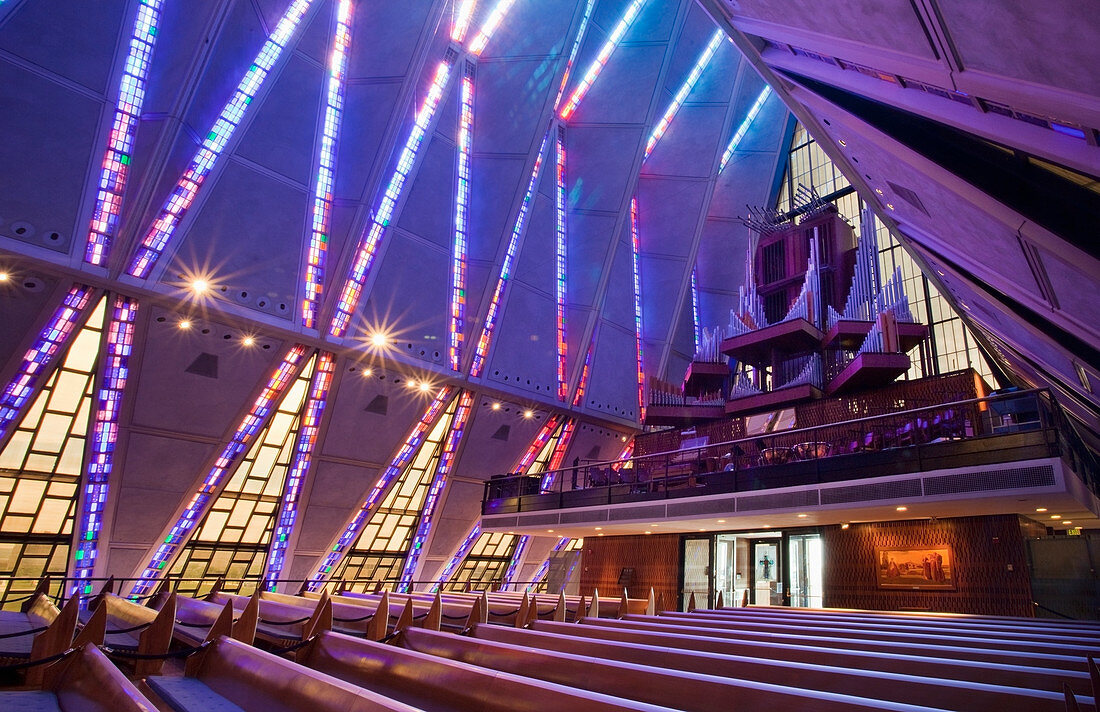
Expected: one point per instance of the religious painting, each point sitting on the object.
(921, 569)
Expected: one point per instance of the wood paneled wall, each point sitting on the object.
(655, 559)
(990, 565)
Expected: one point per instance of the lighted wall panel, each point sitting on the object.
(41, 466)
(635, 244)
(326, 167)
(233, 537)
(100, 458)
(561, 291)
(120, 141)
(382, 549)
(695, 309)
(586, 371)
(439, 481)
(604, 54)
(683, 92)
(460, 23)
(482, 351)
(51, 340)
(356, 526)
(387, 206)
(308, 429)
(460, 554)
(197, 506)
(744, 127)
(573, 52)
(214, 142)
(462, 215)
(492, 22)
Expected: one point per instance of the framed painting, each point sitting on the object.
(918, 568)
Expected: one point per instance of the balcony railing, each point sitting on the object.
(1008, 427)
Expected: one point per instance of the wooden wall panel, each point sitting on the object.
(655, 559)
(990, 565)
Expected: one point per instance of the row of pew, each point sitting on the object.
(506, 651)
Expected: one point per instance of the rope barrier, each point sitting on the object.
(40, 661)
(391, 636)
(126, 654)
(28, 597)
(131, 629)
(194, 624)
(21, 633)
(505, 613)
(296, 621)
(367, 617)
(454, 618)
(420, 617)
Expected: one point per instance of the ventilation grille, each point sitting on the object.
(650, 513)
(599, 515)
(710, 506)
(499, 521)
(204, 365)
(1015, 478)
(871, 492)
(780, 500)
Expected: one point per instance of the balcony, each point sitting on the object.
(1006, 428)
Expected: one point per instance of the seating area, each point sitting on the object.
(501, 651)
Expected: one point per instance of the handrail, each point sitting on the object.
(791, 432)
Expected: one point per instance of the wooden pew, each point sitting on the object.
(55, 629)
(926, 617)
(122, 625)
(1002, 632)
(196, 618)
(722, 657)
(352, 615)
(229, 672)
(279, 624)
(83, 681)
(651, 680)
(1034, 647)
(703, 639)
(432, 683)
(452, 615)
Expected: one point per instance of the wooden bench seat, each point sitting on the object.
(279, 624)
(707, 655)
(196, 618)
(671, 635)
(925, 616)
(120, 624)
(36, 631)
(228, 676)
(84, 681)
(1038, 635)
(440, 685)
(649, 678)
(913, 638)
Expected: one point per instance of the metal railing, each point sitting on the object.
(670, 473)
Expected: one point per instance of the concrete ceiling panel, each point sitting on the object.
(429, 210)
(172, 399)
(600, 162)
(623, 91)
(690, 144)
(50, 136)
(185, 27)
(618, 306)
(613, 388)
(74, 40)
(281, 135)
(525, 350)
(537, 263)
(590, 237)
(495, 184)
(383, 37)
(27, 301)
(496, 439)
(661, 280)
(533, 29)
(336, 490)
(367, 109)
(668, 210)
(248, 237)
(508, 101)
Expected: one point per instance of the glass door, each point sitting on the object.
(697, 572)
(767, 587)
(806, 562)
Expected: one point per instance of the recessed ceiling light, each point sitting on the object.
(4, 277)
(623, 438)
(878, 190)
(1067, 522)
(721, 521)
(366, 371)
(599, 528)
(890, 205)
(184, 324)
(702, 530)
(767, 526)
(1040, 509)
(528, 414)
(248, 341)
(903, 508)
(842, 142)
(845, 525)
(1056, 516)
(648, 532)
(425, 386)
(379, 339)
(549, 531)
(496, 406)
(803, 516)
(199, 286)
(600, 534)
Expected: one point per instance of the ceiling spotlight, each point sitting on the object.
(803, 516)
(549, 531)
(842, 142)
(1040, 509)
(767, 526)
(1067, 522)
(1056, 516)
(184, 324)
(845, 525)
(600, 534)
(496, 406)
(902, 508)
(379, 339)
(366, 372)
(648, 532)
(879, 191)
(599, 528)
(623, 438)
(248, 341)
(4, 276)
(528, 414)
(720, 521)
(200, 286)
(890, 205)
(425, 386)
